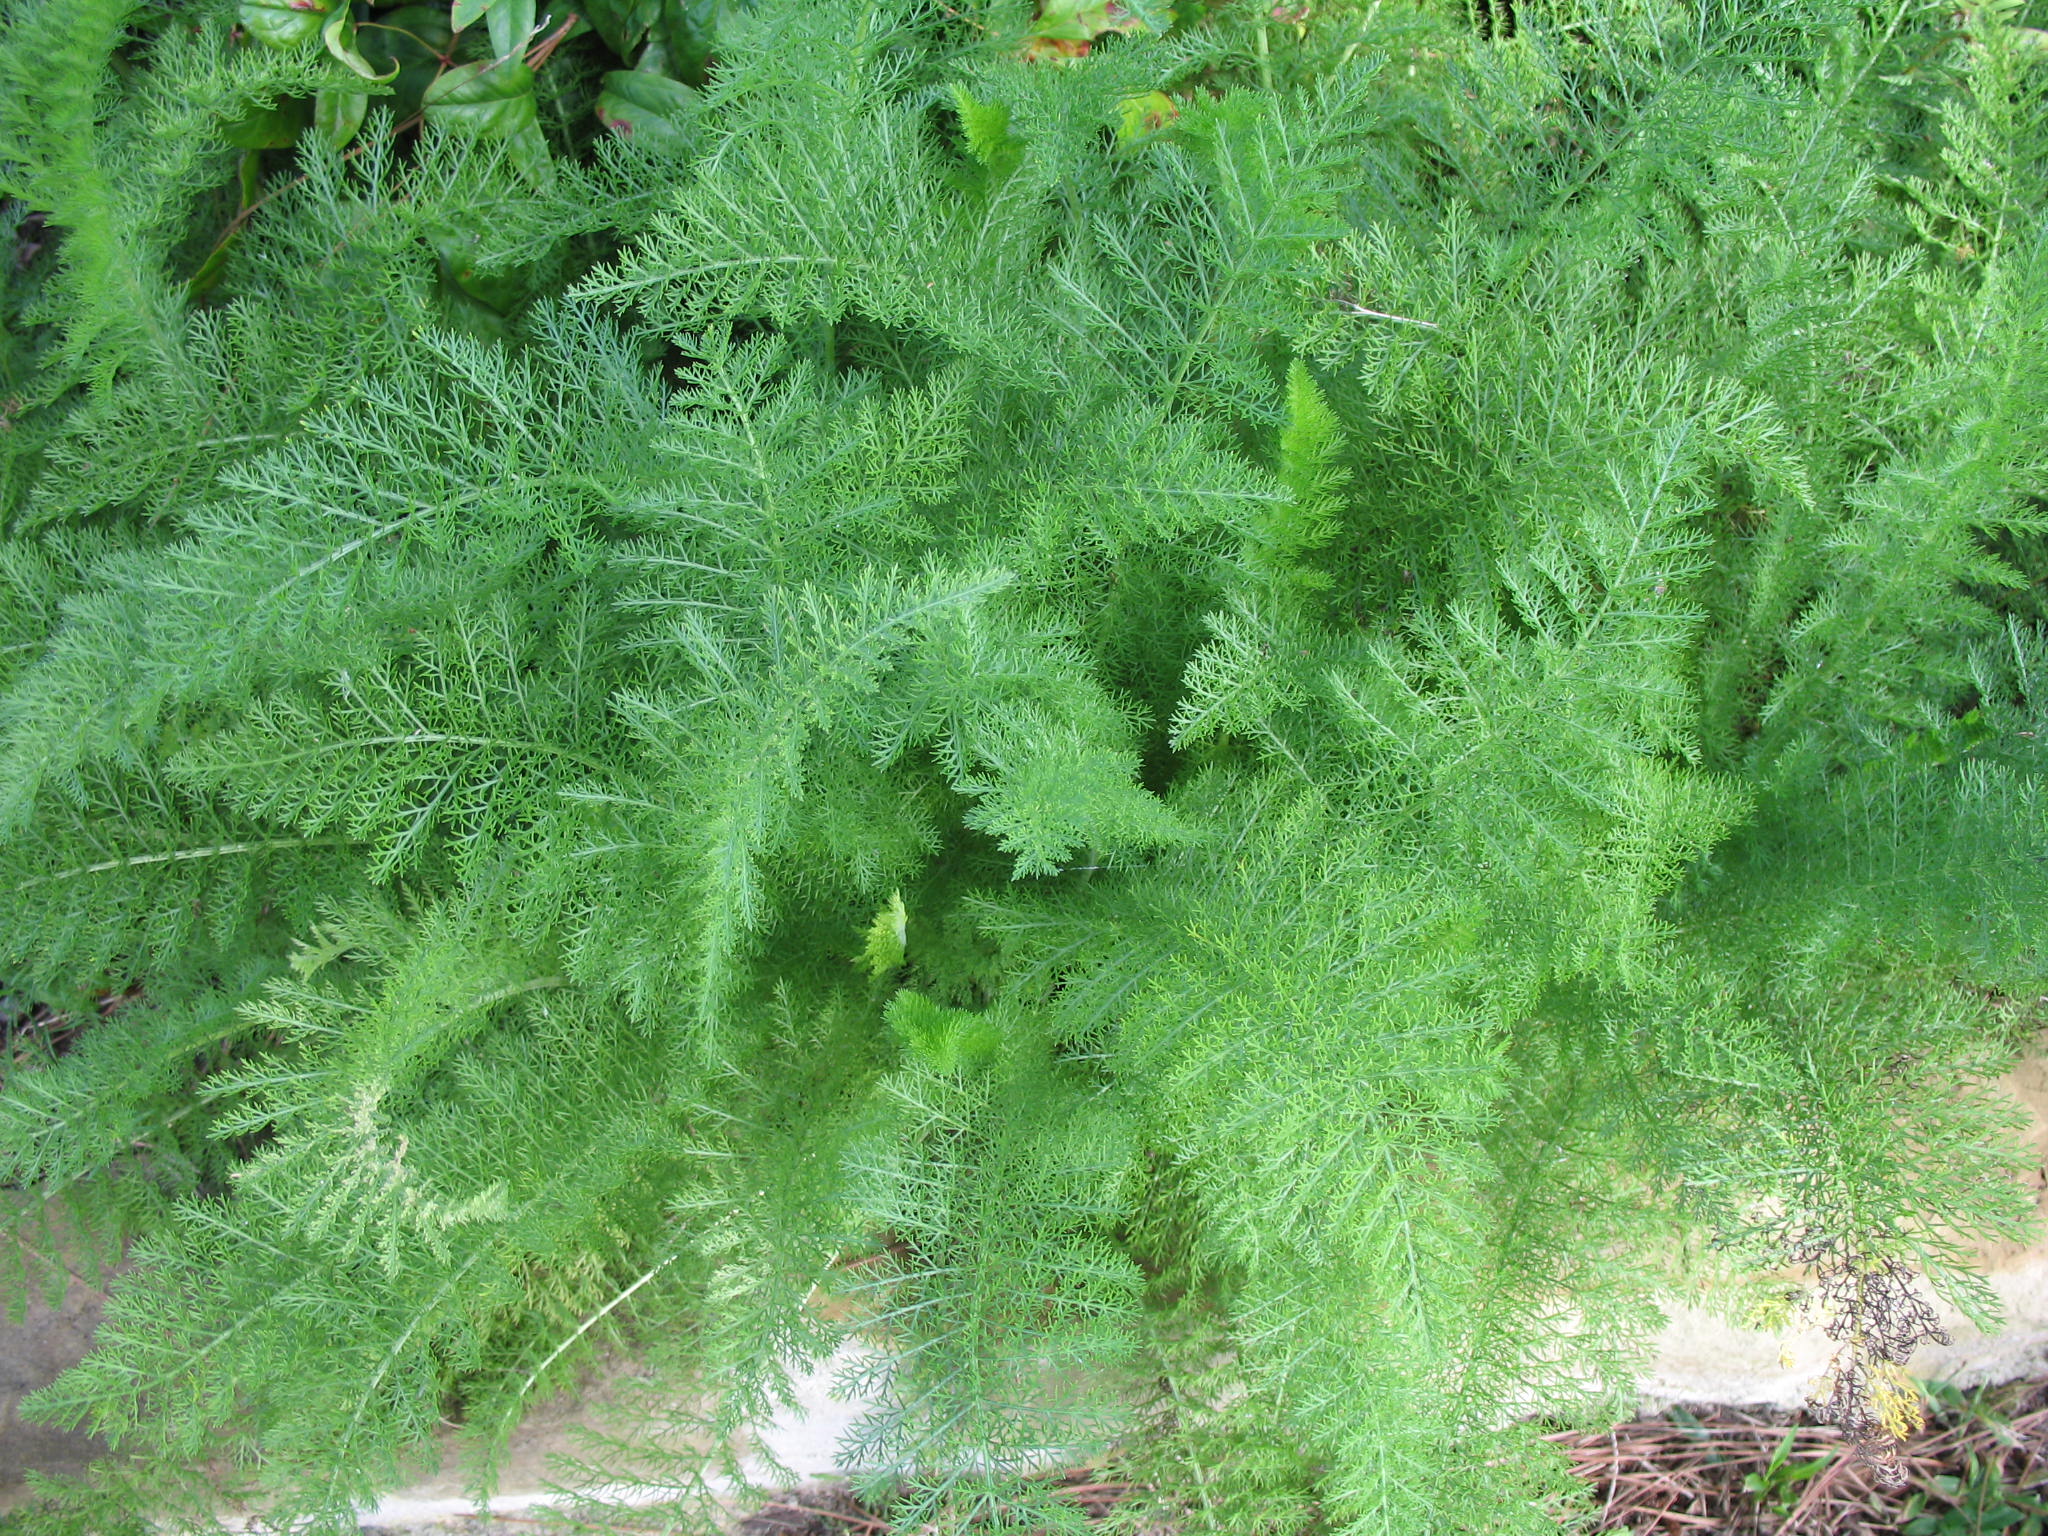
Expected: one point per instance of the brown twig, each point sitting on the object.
(858, 1522)
(541, 52)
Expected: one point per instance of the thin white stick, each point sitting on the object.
(591, 1322)
(1380, 314)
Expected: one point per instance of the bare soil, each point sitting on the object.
(33, 1353)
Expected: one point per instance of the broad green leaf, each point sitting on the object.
(249, 179)
(463, 312)
(210, 271)
(511, 24)
(414, 39)
(338, 115)
(467, 11)
(623, 24)
(283, 23)
(1084, 20)
(689, 30)
(248, 188)
(501, 291)
(275, 127)
(647, 108)
(340, 36)
(1138, 116)
(493, 99)
(1067, 29)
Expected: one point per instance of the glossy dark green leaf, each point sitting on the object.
(275, 127)
(340, 36)
(416, 40)
(647, 108)
(501, 291)
(463, 312)
(210, 271)
(407, 33)
(337, 115)
(249, 178)
(493, 99)
(248, 189)
(283, 23)
(511, 24)
(623, 24)
(689, 31)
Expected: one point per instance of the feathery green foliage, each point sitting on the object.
(1076, 696)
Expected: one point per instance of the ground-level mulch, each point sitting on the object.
(831, 1510)
(1981, 1465)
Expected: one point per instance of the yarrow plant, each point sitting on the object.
(1250, 699)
